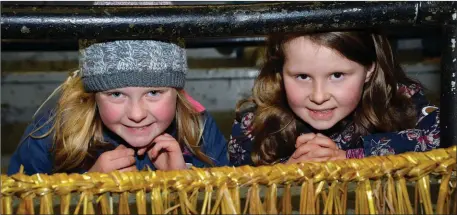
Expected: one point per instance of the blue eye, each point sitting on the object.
(115, 94)
(154, 93)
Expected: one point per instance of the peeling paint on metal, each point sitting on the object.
(417, 12)
(242, 18)
(352, 10)
(452, 86)
(453, 43)
(25, 30)
(454, 16)
(392, 21)
(246, 20)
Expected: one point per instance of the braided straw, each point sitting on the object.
(380, 188)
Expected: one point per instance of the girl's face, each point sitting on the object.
(322, 86)
(137, 114)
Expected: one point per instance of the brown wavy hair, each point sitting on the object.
(381, 109)
(78, 130)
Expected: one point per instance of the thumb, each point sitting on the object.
(320, 135)
(141, 151)
(121, 146)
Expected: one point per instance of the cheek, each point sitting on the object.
(109, 113)
(295, 93)
(165, 110)
(351, 94)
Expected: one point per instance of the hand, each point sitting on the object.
(165, 153)
(315, 147)
(121, 158)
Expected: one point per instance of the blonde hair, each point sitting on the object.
(77, 127)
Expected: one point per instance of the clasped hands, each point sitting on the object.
(315, 147)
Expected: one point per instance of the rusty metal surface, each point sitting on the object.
(165, 22)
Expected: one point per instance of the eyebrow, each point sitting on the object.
(293, 70)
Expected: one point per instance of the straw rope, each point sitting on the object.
(380, 188)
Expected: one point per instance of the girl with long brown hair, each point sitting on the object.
(124, 110)
(331, 95)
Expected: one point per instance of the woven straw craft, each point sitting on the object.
(380, 185)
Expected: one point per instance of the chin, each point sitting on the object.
(138, 143)
(321, 126)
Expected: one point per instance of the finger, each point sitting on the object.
(129, 169)
(319, 159)
(118, 153)
(320, 135)
(167, 135)
(304, 149)
(310, 159)
(120, 146)
(168, 146)
(306, 158)
(122, 162)
(321, 152)
(324, 141)
(163, 137)
(304, 138)
(141, 151)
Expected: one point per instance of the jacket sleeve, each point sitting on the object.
(215, 143)
(425, 136)
(241, 141)
(33, 153)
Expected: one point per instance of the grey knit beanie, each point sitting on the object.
(132, 63)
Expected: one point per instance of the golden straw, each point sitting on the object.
(380, 188)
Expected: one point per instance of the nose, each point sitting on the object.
(137, 111)
(319, 94)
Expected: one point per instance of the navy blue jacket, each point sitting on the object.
(36, 155)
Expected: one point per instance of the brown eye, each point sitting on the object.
(337, 75)
(302, 76)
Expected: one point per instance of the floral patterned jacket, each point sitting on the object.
(425, 136)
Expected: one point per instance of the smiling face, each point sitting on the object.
(137, 114)
(322, 86)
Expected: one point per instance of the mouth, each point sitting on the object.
(138, 128)
(321, 114)
(322, 110)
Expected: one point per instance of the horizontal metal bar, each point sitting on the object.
(165, 22)
(69, 45)
(64, 45)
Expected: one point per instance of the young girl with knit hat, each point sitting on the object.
(125, 109)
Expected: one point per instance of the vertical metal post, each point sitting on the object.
(448, 100)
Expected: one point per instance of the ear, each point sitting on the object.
(370, 72)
